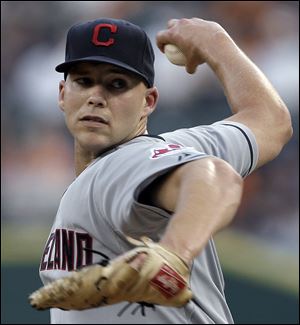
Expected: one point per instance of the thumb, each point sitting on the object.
(191, 68)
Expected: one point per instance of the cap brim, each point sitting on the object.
(65, 67)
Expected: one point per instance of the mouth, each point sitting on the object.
(93, 120)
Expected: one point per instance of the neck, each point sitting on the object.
(82, 158)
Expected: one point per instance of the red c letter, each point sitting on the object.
(110, 41)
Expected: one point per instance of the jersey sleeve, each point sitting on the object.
(125, 174)
(230, 141)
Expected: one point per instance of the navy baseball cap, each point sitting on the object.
(113, 41)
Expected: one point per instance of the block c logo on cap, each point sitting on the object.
(96, 32)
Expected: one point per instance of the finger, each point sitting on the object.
(162, 39)
(172, 22)
(165, 36)
(191, 69)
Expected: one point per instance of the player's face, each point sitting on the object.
(105, 105)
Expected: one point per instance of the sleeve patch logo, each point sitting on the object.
(167, 150)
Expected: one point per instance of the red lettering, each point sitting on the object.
(163, 151)
(67, 250)
(97, 29)
(87, 239)
(57, 249)
(46, 250)
(50, 261)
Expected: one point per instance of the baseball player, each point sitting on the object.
(135, 228)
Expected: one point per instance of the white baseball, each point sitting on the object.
(174, 55)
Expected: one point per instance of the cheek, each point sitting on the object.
(129, 107)
(128, 115)
(73, 100)
(72, 105)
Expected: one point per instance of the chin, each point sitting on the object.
(97, 147)
(95, 144)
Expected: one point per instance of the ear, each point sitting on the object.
(151, 99)
(61, 95)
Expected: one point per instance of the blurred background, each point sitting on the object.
(259, 252)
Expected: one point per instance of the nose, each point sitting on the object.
(97, 101)
(97, 98)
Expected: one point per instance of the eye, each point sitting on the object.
(118, 84)
(84, 81)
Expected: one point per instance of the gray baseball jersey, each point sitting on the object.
(103, 205)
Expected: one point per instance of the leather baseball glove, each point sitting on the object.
(148, 273)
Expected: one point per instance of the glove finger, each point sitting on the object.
(123, 279)
(55, 293)
(77, 291)
(120, 281)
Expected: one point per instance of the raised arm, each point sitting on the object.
(253, 100)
